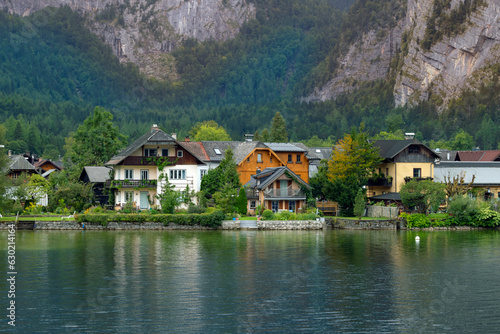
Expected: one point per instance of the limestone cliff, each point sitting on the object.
(453, 64)
(450, 66)
(145, 31)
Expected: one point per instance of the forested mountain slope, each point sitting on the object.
(359, 65)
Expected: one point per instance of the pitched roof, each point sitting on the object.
(269, 175)
(387, 197)
(489, 155)
(245, 148)
(56, 164)
(19, 163)
(388, 149)
(215, 149)
(154, 137)
(322, 153)
(96, 174)
(197, 149)
(285, 147)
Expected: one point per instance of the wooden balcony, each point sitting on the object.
(117, 184)
(284, 194)
(379, 182)
(151, 161)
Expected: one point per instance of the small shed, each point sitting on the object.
(97, 175)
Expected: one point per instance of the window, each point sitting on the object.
(144, 174)
(414, 149)
(417, 172)
(164, 152)
(248, 159)
(129, 174)
(298, 158)
(217, 151)
(271, 159)
(290, 159)
(202, 173)
(274, 206)
(129, 196)
(177, 174)
(259, 157)
(291, 206)
(180, 154)
(150, 152)
(387, 172)
(252, 204)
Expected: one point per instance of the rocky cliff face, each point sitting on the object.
(368, 59)
(452, 64)
(440, 74)
(145, 31)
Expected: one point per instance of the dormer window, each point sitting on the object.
(414, 149)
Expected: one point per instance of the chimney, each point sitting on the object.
(187, 139)
(409, 135)
(248, 137)
(155, 127)
(174, 135)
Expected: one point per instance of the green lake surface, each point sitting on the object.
(334, 281)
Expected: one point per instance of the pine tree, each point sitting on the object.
(359, 204)
(278, 129)
(241, 202)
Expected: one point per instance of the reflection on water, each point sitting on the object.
(249, 281)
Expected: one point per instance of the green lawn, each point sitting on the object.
(45, 219)
(248, 218)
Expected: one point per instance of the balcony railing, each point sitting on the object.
(380, 182)
(151, 161)
(284, 193)
(131, 184)
(418, 179)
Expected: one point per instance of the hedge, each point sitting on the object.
(213, 219)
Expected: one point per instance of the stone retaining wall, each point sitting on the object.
(73, 225)
(364, 224)
(381, 211)
(290, 225)
(231, 224)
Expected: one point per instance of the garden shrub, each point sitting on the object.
(418, 220)
(213, 219)
(463, 209)
(267, 214)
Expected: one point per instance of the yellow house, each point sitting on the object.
(403, 160)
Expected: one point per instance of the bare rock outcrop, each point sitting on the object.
(452, 64)
(145, 31)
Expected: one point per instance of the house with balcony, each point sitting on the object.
(276, 189)
(403, 160)
(253, 157)
(140, 171)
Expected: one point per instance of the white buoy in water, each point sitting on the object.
(417, 238)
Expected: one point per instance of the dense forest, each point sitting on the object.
(54, 71)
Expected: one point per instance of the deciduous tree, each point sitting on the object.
(423, 195)
(95, 141)
(208, 130)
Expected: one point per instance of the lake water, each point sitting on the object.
(254, 281)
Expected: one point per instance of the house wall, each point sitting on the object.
(300, 168)
(249, 165)
(398, 171)
(406, 170)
